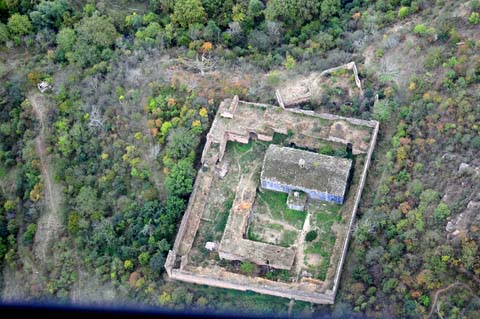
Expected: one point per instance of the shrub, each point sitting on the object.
(273, 78)
(19, 24)
(475, 4)
(30, 233)
(381, 110)
(442, 211)
(4, 34)
(311, 235)
(289, 62)
(476, 142)
(389, 285)
(416, 187)
(403, 12)
(474, 18)
(420, 29)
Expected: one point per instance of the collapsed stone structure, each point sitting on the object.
(241, 121)
(320, 176)
(234, 247)
(305, 89)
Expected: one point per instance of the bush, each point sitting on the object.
(30, 233)
(403, 12)
(4, 35)
(381, 110)
(476, 142)
(442, 211)
(474, 18)
(416, 187)
(273, 78)
(390, 285)
(19, 24)
(422, 30)
(311, 235)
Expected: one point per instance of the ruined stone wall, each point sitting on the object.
(349, 66)
(193, 214)
(264, 287)
(191, 219)
(336, 280)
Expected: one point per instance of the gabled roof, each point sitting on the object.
(306, 170)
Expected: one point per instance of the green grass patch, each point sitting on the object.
(279, 139)
(316, 248)
(323, 269)
(277, 202)
(241, 148)
(222, 217)
(328, 213)
(252, 236)
(288, 238)
(295, 217)
(275, 227)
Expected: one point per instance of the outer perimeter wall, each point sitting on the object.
(243, 119)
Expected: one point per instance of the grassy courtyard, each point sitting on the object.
(319, 251)
(273, 222)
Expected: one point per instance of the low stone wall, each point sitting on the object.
(349, 66)
(266, 287)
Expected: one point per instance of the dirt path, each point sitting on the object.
(301, 243)
(49, 223)
(442, 290)
(268, 220)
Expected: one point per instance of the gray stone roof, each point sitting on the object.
(305, 170)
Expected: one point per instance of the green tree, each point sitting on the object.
(442, 211)
(179, 181)
(219, 11)
(29, 233)
(283, 10)
(95, 37)
(211, 31)
(144, 258)
(97, 30)
(311, 235)
(149, 34)
(164, 299)
(49, 14)
(188, 12)
(4, 34)
(66, 39)
(289, 62)
(381, 110)
(86, 202)
(19, 25)
(156, 263)
(330, 8)
(180, 143)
